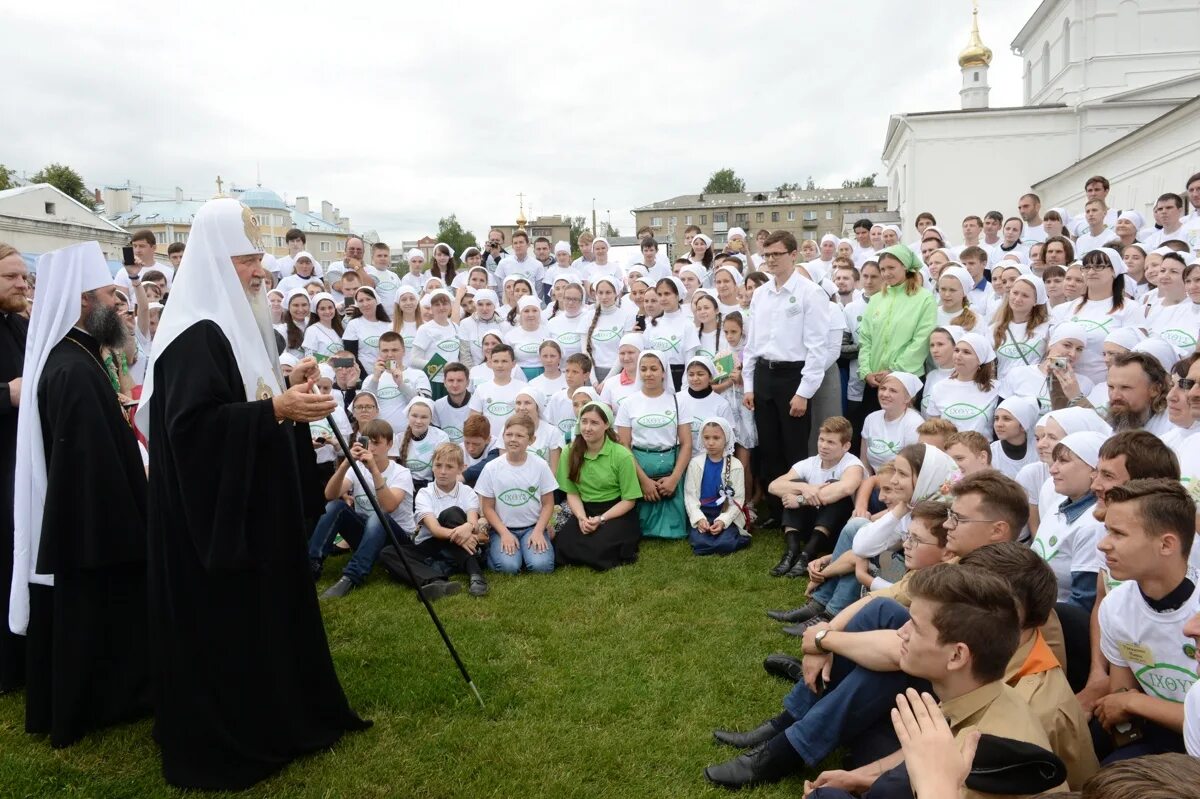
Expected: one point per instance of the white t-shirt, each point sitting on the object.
(321, 429)
(1019, 342)
(1178, 324)
(654, 421)
(287, 285)
(525, 344)
(496, 402)
(1096, 319)
(431, 501)
(674, 336)
(367, 334)
(885, 439)
(549, 386)
(321, 341)
(568, 332)
(1032, 477)
(433, 338)
(1086, 242)
(451, 419)
(392, 399)
(482, 373)
(1150, 644)
(962, 403)
(932, 378)
(472, 331)
(546, 439)
(606, 336)
(555, 272)
(517, 489)
(1006, 465)
(1066, 546)
(1028, 381)
(408, 332)
(560, 413)
(695, 411)
(613, 393)
(812, 472)
(419, 458)
(395, 476)
(387, 285)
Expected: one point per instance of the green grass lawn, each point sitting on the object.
(597, 685)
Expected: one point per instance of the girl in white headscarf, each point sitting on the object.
(727, 281)
(648, 423)
(967, 399)
(1049, 430)
(954, 291)
(1103, 307)
(622, 380)
(672, 332)
(606, 324)
(701, 251)
(568, 323)
(1053, 375)
(407, 317)
(1021, 325)
(1176, 318)
(297, 317)
(471, 332)
(361, 336)
(921, 472)
(416, 277)
(715, 493)
(323, 338)
(527, 336)
(697, 401)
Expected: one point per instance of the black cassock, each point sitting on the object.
(13, 330)
(87, 663)
(245, 681)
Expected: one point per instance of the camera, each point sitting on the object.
(364, 442)
(1059, 363)
(341, 363)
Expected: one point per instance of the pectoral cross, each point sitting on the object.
(219, 186)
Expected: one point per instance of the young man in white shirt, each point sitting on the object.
(496, 399)
(521, 262)
(1168, 212)
(392, 384)
(451, 411)
(143, 243)
(1150, 528)
(1029, 208)
(1098, 234)
(784, 359)
(387, 282)
(296, 242)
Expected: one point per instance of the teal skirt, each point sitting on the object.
(664, 518)
(532, 372)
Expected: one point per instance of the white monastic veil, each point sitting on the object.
(207, 287)
(63, 276)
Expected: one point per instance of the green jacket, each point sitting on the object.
(894, 334)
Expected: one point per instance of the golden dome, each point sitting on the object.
(976, 53)
(521, 220)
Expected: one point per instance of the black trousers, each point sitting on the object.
(782, 438)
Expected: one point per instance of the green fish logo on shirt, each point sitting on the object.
(606, 334)
(1180, 339)
(388, 393)
(516, 497)
(371, 341)
(569, 337)
(879, 446)
(499, 407)
(448, 346)
(963, 411)
(656, 420)
(666, 345)
(530, 348)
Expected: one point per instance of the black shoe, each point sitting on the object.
(752, 767)
(798, 629)
(316, 565)
(799, 567)
(745, 740)
(339, 589)
(440, 588)
(789, 668)
(479, 586)
(794, 545)
(803, 613)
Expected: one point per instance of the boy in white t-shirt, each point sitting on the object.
(394, 385)
(818, 497)
(447, 511)
(451, 411)
(496, 399)
(355, 520)
(1150, 528)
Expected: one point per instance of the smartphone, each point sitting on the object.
(364, 442)
(320, 440)
(390, 364)
(341, 363)
(127, 256)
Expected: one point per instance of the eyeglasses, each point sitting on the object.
(911, 540)
(770, 256)
(1185, 383)
(1094, 267)
(954, 520)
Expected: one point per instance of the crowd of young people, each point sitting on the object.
(1021, 399)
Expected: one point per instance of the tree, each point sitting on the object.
(724, 181)
(788, 187)
(862, 183)
(66, 180)
(579, 224)
(809, 185)
(450, 231)
(6, 177)
(612, 231)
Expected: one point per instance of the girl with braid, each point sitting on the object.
(608, 323)
(715, 494)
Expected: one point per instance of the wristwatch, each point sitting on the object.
(603, 518)
(819, 638)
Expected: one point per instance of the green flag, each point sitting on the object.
(725, 366)
(434, 365)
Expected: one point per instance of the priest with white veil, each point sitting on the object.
(244, 679)
(78, 589)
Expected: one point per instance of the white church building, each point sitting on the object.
(1111, 87)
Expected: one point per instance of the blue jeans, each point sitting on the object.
(363, 532)
(858, 701)
(838, 593)
(500, 561)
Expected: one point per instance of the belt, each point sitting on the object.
(655, 451)
(780, 364)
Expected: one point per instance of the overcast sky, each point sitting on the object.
(400, 115)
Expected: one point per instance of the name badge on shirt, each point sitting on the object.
(794, 308)
(1136, 653)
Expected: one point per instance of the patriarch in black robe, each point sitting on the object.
(79, 562)
(244, 679)
(13, 328)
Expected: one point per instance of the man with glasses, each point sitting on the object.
(13, 331)
(784, 360)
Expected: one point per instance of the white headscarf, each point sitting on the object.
(207, 288)
(726, 428)
(63, 276)
(668, 386)
(936, 468)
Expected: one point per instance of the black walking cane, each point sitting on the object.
(386, 522)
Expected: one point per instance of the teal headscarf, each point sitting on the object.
(904, 255)
(604, 410)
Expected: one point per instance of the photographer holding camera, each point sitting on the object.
(493, 250)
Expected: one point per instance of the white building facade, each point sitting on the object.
(40, 218)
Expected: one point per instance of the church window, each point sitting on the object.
(1045, 64)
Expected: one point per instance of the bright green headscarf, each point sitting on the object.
(904, 255)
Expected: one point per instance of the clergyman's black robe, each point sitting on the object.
(245, 682)
(13, 330)
(88, 658)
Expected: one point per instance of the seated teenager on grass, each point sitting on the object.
(478, 448)
(962, 633)
(451, 536)
(351, 515)
(970, 451)
(818, 497)
(715, 493)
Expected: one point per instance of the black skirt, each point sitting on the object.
(614, 544)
